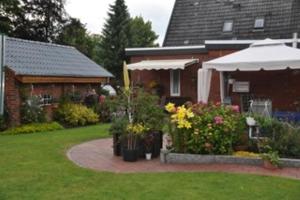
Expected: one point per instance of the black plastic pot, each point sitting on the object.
(157, 144)
(117, 144)
(130, 155)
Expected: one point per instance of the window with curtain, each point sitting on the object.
(175, 82)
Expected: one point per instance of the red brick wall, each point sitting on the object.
(282, 87)
(188, 76)
(15, 89)
(12, 98)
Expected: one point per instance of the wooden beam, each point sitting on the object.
(42, 79)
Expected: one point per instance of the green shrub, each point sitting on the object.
(103, 109)
(33, 128)
(76, 115)
(283, 137)
(32, 111)
(3, 123)
(143, 106)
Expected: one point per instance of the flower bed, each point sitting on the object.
(205, 129)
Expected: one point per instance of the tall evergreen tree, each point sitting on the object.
(141, 33)
(115, 38)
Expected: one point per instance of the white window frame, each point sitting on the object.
(172, 83)
(259, 23)
(46, 100)
(228, 26)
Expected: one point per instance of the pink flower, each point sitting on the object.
(218, 104)
(219, 120)
(235, 108)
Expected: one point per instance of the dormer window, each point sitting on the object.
(259, 23)
(228, 26)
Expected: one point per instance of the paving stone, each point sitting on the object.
(98, 155)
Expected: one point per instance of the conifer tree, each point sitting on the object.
(115, 38)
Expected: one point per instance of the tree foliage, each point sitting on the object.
(141, 33)
(115, 37)
(32, 19)
(121, 31)
(74, 34)
(10, 11)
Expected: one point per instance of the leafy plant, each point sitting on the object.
(148, 141)
(272, 157)
(282, 137)
(76, 115)
(33, 128)
(134, 131)
(143, 107)
(204, 129)
(119, 126)
(3, 123)
(32, 111)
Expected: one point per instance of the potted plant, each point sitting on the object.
(131, 151)
(117, 129)
(148, 143)
(271, 160)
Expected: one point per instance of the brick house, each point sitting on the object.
(202, 30)
(47, 70)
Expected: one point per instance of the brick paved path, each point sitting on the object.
(98, 155)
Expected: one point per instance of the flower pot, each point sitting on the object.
(157, 145)
(250, 121)
(268, 165)
(116, 144)
(130, 155)
(148, 156)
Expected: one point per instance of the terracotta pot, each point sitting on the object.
(269, 165)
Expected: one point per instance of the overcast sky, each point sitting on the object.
(93, 13)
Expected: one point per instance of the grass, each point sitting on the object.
(35, 167)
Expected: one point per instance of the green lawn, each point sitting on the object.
(35, 167)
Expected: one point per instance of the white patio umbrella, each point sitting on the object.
(262, 55)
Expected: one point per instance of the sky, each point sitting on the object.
(93, 13)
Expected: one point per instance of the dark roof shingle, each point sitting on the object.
(45, 59)
(194, 21)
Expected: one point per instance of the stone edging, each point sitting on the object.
(175, 158)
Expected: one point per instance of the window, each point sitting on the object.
(46, 100)
(228, 26)
(259, 23)
(175, 82)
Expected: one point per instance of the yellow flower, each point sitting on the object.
(181, 112)
(170, 107)
(190, 114)
(136, 128)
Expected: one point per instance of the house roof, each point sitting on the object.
(45, 59)
(208, 45)
(194, 21)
